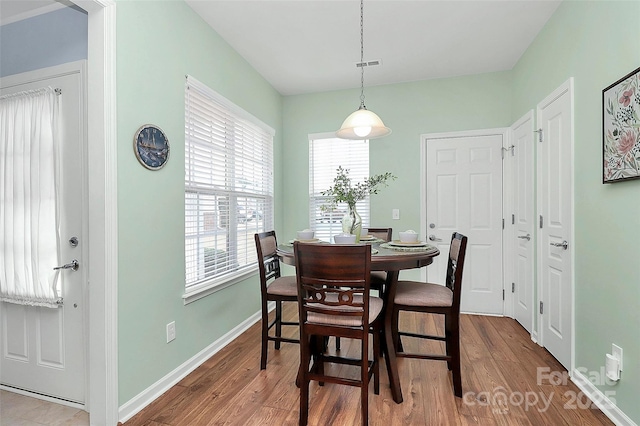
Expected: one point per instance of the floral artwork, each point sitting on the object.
(621, 127)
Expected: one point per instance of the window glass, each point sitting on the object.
(326, 153)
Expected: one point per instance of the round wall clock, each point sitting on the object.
(151, 147)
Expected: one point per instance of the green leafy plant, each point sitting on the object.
(343, 191)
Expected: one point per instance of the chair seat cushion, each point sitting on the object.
(375, 307)
(412, 293)
(283, 286)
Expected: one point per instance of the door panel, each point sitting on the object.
(464, 194)
(555, 200)
(42, 350)
(523, 218)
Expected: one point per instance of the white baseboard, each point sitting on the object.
(534, 337)
(147, 396)
(602, 401)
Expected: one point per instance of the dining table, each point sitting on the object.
(391, 258)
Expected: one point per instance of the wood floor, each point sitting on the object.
(501, 384)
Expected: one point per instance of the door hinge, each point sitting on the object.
(513, 219)
(503, 294)
(503, 223)
(511, 148)
(541, 307)
(541, 221)
(513, 287)
(539, 132)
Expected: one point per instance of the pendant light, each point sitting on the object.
(362, 124)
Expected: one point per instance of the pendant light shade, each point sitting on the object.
(362, 124)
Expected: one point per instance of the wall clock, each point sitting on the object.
(151, 147)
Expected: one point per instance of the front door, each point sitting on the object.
(555, 208)
(523, 219)
(464, 194)
(42, 350)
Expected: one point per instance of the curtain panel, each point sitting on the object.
(29, 240)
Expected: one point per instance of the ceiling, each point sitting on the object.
(307, 46)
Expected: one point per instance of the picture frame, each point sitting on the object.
(621, 129)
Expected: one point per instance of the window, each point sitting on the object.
(326, 153)
(228, 189)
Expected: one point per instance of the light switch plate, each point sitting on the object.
(395, 214)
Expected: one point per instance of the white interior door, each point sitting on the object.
(555, 234)
(523, 219)
(42, 350)
(464, 194)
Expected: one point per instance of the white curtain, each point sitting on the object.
(28, 205)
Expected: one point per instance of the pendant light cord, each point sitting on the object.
(362, 55)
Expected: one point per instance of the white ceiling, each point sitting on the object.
(306, 46)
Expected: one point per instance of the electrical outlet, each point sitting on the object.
(171, 331)
(395, 214)
(616, 351)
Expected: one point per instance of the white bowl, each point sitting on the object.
(344, 239)
(307, 234)
(408, 236)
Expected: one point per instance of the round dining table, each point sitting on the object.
(391, 260)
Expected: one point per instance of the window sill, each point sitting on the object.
(210, 287)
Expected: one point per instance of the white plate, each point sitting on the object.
(398, 243)
(367, 238)
(313, 240)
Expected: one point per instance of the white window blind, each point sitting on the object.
(228, 187)
(326, 153)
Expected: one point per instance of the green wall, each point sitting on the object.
(596, 43)
(158, 43)
(409, 109)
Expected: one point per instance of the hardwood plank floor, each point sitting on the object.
(499, 380)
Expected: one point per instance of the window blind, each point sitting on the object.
(228, 187)
(326, 153)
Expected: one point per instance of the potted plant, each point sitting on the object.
(343, 191)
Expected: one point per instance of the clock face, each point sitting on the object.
(151, 147)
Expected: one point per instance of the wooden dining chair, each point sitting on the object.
(379, 278)
(333, 300)
(273, 288)
(412, 296)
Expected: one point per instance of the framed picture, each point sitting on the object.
(621, 129)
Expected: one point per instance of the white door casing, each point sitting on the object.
(523, 219)
(43, 350)
(463, 178)
(555, 227)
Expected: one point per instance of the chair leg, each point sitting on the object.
(337, 343)
(278, 322)
(454, 346)
(364, 386)
(265, 339)
(303, 378)
(376, 360)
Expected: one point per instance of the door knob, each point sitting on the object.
(74, 265)
(564, 244)
(525, 237)
(434, 238)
